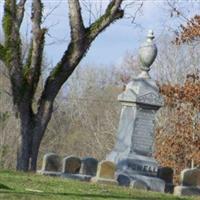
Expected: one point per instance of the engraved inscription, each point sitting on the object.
(143, 136)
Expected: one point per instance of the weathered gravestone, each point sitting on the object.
(51, 165)
(71, 169)
(166, 174)
(190, 183)
(89, 166)
(123, 180)
(105, 173)
(138, 184)
(190, 177)
(71, 165)
(133, 152)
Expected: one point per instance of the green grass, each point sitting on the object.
(15, 185)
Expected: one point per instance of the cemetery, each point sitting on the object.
(128, 130)
(131, 162)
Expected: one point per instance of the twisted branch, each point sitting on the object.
(20, 11)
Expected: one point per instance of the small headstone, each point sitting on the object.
(106, 169)
(190, 177)
(152, 183)
(51, 162)
(89, 166)
(138, 184)
(71, 165)
(166, 174)
(105, 173)
(190, 183)
(123, 180)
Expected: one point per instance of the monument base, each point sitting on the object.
(141, 182)
(49, 173)
(79, 177)
(137, 164)
(153, 183)
(138, 168)
(104, 181)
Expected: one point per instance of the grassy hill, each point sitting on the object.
(15, 185)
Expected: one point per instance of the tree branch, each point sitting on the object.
(112, 13)
(34, 59)
(75, 18)
(20, 11)
(9, 19)
(13, 49)
(12, 35)
(80, 43)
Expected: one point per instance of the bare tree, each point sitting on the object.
(24, 75)
(174, 62)
(90, 112)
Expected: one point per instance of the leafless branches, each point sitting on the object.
(51, 11)
(76, 21)
(176, 11)
(133, 16)
(25, 76)
(37, 44)
(20, 11)
(115, 12)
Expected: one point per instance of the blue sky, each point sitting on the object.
(118, 39)
(111, 45)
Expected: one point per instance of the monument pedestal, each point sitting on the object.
(133, 152)
(138, 165)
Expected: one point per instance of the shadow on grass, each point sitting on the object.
(4, 187)
(107, 196)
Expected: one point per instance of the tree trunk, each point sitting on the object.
(32, 130)
(36, 140)
(29, 147)
(24, 76)
(30, 140)
(23, 154)
(26, 135)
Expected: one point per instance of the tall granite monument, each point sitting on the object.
(133, 152)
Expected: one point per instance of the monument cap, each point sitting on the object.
(147, 54)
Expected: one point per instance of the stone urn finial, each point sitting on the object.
(147, 54)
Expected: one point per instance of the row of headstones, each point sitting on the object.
(190, 183)
(89, 169)
(52, 164)
(104, 172)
